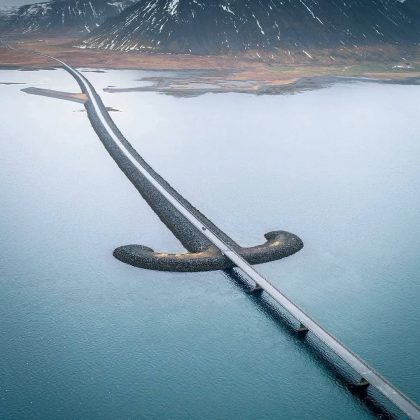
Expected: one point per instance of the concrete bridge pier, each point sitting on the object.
(302, 330)
(362, 385)
(257, 289)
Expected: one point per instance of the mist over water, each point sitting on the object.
(85, 336)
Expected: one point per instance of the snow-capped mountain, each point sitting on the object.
(65, 15)
(231, 26)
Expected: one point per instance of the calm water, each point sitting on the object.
(84, 336)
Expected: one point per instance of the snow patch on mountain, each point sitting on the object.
(65, 15)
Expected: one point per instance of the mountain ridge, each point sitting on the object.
(58, 16)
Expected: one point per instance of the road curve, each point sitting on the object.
(367, 373)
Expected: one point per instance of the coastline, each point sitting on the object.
(237, 74)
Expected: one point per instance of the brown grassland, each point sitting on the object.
(282, 70)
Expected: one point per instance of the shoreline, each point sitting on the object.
(267, 74)
(193, 83)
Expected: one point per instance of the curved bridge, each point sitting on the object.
(207, 235)
(210, 245)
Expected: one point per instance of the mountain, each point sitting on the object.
(233, 26)
(64, 15)
(5, 14)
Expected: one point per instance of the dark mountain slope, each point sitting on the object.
(232, 26)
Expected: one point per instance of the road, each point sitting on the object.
(366, 373)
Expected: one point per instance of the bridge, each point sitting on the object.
(104, 126)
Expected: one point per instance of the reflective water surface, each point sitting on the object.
(84, 336)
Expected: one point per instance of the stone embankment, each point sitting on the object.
(202, 255)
